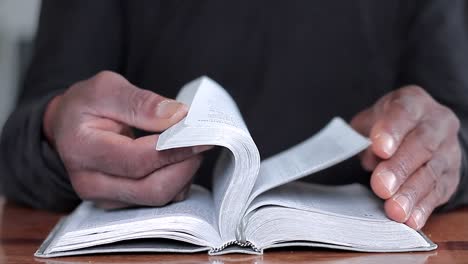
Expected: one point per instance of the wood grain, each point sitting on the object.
(23, 229)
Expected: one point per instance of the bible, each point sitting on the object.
(254, 204)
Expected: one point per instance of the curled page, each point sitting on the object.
(214, 119)
(333, 144)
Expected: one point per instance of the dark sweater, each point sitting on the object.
(290, 65)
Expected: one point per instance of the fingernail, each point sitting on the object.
(168, 108)
(387, 142)
(404, 203)
(389, 181)
(199, 149)
(418, 218)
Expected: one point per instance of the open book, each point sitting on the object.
(254, 205)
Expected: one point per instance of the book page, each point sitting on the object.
(91, 226)
(352, 200)
(333, 144)
(198, 204)
(348, 215)
(210, 106)
(214, 119)
(272, 225)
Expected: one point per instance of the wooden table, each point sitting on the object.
(23, 230)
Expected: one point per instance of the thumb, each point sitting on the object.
(120, 100)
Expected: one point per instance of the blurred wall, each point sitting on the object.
(18, 21)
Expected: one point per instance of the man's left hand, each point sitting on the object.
(415, 154)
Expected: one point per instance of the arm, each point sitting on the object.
(75, 39)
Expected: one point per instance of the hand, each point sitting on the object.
(90, 127)
(415, 154)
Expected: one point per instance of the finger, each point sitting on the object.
(434, 173)
(156, 189)
(437, 196)
(363, 121)
(114, 97)
(417, 148)
(369, 160)
(119, 155)
(400, 206)
(184, 193)
(110, 205)
(398, 115)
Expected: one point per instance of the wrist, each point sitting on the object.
(48, 119)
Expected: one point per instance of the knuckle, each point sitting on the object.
(386, 102)
(105, 76)
(431, 174)
(82, 186)
(415, 90)
(412, 192)
(404, 106)
(103, 82)
(433, 169)
(424, 139)
(135, 166)
(402, 168)
(142, 103)
(450, 116)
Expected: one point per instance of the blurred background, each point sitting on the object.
(18, 22)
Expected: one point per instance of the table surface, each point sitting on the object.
(23, 229)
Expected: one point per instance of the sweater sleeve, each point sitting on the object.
(75, 40)
(436, 58)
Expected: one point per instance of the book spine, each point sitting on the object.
(236, 243)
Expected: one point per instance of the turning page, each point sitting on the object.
(214, 119)
(333, 144)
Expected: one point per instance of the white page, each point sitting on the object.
(352, 200)
(271, 225)
(349, 215)
(90, 226)
(210, 106)
(198, 204)
(214, 119)
(333, 144)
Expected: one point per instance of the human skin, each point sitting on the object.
(415, 156)
(90, 124)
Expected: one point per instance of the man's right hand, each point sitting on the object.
(90, 127)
